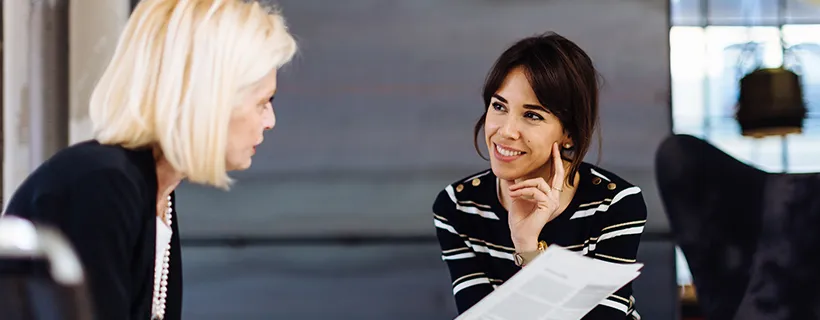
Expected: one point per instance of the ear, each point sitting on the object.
(567, 143)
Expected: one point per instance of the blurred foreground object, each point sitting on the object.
(750, 237)
(40, 275)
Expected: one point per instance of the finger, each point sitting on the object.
(531, 193)
(526, 184)
(558, 163)
(539, 183)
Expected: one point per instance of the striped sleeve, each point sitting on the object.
(470, 282)
(621, 229)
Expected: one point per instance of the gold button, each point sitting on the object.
(596, 181)
(476, 182)
(610, 186)
(459, 188)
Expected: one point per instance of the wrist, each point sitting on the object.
(522, 258)
(527, 244)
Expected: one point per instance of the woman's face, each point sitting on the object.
(519, 131)
(249, 121)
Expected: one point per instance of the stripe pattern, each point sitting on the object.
(605, 221)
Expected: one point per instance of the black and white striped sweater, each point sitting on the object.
(604, 221)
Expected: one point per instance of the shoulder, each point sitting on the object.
(607, 182)
(472, 194)
(467, 188)
(88, 163)
(93, 155)
(90, 157)
(613, 190)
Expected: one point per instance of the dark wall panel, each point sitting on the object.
(399, 282)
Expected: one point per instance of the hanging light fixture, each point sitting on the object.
(771, 103)
(771, 99)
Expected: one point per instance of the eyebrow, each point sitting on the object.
(526, 106)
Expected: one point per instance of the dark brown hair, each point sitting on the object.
(564, 81)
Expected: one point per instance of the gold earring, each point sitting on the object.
(567, 146)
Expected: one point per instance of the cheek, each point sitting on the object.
(254, 127)
(540, 139)
(244, 129)
(491, 125)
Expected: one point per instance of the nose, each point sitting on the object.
(509, 129)
(268, 119)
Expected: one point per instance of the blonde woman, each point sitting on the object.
(187, 95)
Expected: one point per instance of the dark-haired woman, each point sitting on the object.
(540, 113)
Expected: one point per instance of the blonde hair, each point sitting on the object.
(179, 69)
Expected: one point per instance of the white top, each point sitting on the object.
(164, 233)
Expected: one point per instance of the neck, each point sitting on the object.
(547, 172)
(168, 178)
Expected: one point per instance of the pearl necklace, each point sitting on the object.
(161, 282)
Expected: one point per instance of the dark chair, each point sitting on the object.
(40, 276)
(751, 237)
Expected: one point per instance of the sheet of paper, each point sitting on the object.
(557, 285)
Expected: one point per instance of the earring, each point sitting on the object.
(567, 146)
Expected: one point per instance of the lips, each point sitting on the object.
(506, 154)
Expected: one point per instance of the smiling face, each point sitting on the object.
(519, 131)
(248, 122)
(542, 90)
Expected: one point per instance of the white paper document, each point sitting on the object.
(557, 285)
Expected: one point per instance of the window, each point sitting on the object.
(706, 65)
(710, 50)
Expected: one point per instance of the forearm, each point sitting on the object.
(470, 283)
(618, 242)
(617, 306)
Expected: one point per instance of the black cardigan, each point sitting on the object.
(103, 198)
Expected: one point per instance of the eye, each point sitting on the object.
(265, 104)
(498, 107)
(533, 116)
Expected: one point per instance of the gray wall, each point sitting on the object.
(375, 114)
(374, 119)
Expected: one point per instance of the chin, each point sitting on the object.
(239, 166)
(506, 173)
